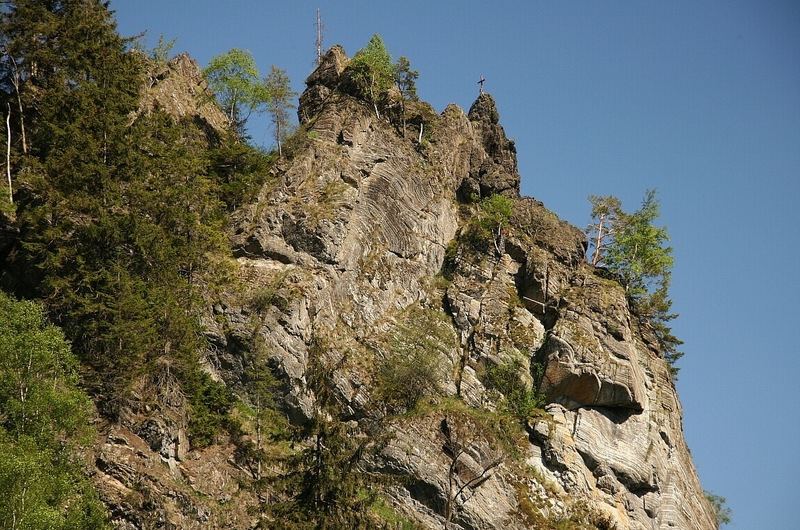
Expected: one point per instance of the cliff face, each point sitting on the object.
(352, 234)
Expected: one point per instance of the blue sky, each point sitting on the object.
(699, 99)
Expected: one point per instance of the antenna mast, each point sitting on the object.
(319, 37)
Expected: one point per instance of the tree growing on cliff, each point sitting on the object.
(324, 485)
(460, 434)
(635, 250)
(278, 101)
(493, 216)
(233, 76)
(406, 79)
(606, 212)
(372, 71)
(722, 513)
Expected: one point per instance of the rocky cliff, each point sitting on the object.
(362, 231)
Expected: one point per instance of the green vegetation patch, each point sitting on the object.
(507, 378)
(415, 357)
(44, 423)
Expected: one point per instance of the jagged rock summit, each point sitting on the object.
(362, 231)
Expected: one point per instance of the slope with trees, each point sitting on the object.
(44, 423)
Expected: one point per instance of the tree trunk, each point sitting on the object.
(278, 137)
(596, 257)
(16, 83)
(8, 154)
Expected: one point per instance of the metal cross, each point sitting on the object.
(481, 82)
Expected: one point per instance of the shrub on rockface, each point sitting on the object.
(521, 399)
(415, 353)
(491, 218)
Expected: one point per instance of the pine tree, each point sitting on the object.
(631, 247)
(406, 79)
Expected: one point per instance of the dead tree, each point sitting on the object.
(461, 434)
(8, 154)
(318, 43)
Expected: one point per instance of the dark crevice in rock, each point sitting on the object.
(340, 139)
(253, 250)
(426, 494)
(665, 437)
(617, 415)
(532, 291)
(302, 239)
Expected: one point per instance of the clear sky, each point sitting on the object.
(697, 98)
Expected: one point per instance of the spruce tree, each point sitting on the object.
(120, 221)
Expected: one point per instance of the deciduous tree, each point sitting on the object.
(372, 71)
(233, 76)
(45, 417)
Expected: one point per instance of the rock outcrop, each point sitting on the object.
(356, 226)
(178, 88)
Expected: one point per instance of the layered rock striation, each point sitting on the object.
(359, 225)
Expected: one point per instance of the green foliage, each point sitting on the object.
(38, 376)
(638, 254)
(390, 517)
(45, 416)
(372, 72)
(279, 101)
(162, 49)
(240, 170)
(412, 368)
(722, 513)
(632, 248)
(406, 79)
(520, 399)
(122, 229)
(325, 485)
(211, 403)
(606, 212)
(233, 76)
(494, 214)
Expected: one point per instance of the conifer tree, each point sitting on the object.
(120, 221)
(406, 79)
(278, 102)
